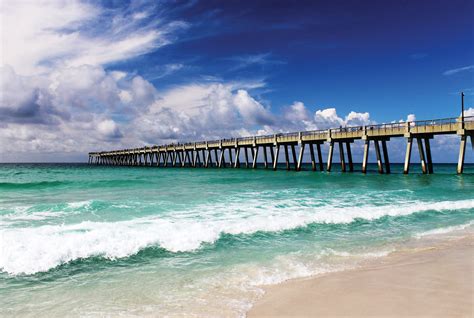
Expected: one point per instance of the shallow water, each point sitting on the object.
(82, 240)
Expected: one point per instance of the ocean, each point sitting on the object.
(79, 240)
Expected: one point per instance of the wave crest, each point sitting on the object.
(37, 249)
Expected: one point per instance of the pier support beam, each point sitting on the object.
(462, 152)
(231, 160)
(379, 157)
(237, 158)
(313, 161)
(320, 157)
(422, 154)
(221, 158)
(255, 156)
(349, 156)
(366, 155)
(166, 159)
(406, 166)
(293, 152)
(174, 154)
(331, 150)
(287, 158)
(385, 156)
(246, 157)
(300, 157)
(342, 157)
(265, 160)
(277, 152)
(428, 155)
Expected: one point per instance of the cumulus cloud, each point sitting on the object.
(411, 117)
(212, 110)
(109, 129)
(469, 112)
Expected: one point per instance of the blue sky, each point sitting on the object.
(385, 58)
(81, 76)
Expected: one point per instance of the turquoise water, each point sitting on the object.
(80, 240)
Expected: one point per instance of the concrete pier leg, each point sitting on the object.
(379, 157)
(174, 154)
(186, 158)
(406, 167)
(320, 157)
(265, 160)
(428, 155)
(166, 159)
(342, 157)
(222, 159)
(145, 156)
(366, 156)
(208, 159)
(197, 161)
(349, 156)
(313, 161)
(293, 152)
(287, 159)
(275, 161)
(231, 160)
(246, 157)
(177, 158)
(237, 158)
(300, 157)
(385, 156)
(216, 157)
(462, 151)
(255, 156)
(331, 150)
(422, 154)
(272, 154)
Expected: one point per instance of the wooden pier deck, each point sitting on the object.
(212, 153)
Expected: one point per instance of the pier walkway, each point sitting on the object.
(213, 153)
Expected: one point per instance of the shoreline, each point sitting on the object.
(433, 280)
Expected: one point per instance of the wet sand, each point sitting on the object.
(424, 282)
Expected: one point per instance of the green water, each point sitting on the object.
(80, 240)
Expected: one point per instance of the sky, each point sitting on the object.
(81, 76)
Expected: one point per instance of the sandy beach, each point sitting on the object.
(422, 282)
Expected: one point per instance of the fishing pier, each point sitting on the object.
(245, 151)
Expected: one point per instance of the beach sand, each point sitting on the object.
(421, 282)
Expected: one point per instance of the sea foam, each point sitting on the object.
(29, 250)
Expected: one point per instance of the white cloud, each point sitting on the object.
(411, 117)
(357, 119)
(109, 129)
(327, 118)
(460, 69)
(48, 34)
(251, 111)
(245, 61)
(469, 112)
